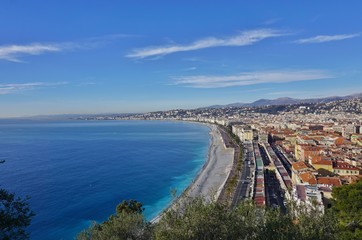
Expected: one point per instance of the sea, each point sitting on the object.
(76, 172)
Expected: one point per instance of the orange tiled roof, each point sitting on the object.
(299, 165)
(334, 181)
(308, 177)
(319, 161)
(305, 138)
(323, 162)
(340, 141)
(311, 148)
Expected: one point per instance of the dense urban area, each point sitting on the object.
(288, 152)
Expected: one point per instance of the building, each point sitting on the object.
(357, 139)
(304, 151)
(345, 169)
(318, 162)
(307, 177)
(297, 169)
(326, 185)
(245, 133)
(308, 196)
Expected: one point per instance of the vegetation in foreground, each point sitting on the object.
(15, 215)
(198, 220)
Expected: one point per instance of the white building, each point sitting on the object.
(309, 196)
(243, 132)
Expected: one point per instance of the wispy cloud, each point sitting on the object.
(18, 87)
(272, 21)
(326, 38)
(190, 69)
(250, 78)
(242, 39)
(14, 52)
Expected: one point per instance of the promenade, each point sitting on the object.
(213, 175)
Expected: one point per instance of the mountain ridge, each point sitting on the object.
(287, 101)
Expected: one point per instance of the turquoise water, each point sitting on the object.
(76, 172)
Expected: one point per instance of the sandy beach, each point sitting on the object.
(212, 177)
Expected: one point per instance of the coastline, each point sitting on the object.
(212, 176)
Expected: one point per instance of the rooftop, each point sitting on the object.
(334, 181)
(299, 166)
(308, 177)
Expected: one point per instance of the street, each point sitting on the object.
(244, 184)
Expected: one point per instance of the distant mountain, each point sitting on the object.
(278, 101)
(287, 101)
(228, 105)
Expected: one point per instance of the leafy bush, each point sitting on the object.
(196, 219)
(15, 216)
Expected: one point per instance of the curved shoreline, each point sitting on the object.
(212, 176)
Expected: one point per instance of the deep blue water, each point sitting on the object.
(78, 171)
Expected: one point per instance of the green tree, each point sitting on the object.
(200, 220)
(129, 206)
(311, 222)
(194, 218)
(347, 206)
(128, 223)
(15, 216)
(119, 227)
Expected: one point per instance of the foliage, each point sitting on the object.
(122, 226)
(311, 222)
(348, 208)
(129, 206)
(128, 223)
(197, 219)
(15, 216)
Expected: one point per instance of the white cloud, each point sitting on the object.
(242, 39)
(94, 42)
(326, 38)
(17, 87)
(14, 52)
(250, 78)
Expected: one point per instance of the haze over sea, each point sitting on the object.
(78, 171)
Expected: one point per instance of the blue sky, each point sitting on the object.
(65, 56)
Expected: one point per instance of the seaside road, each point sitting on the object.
(244, 182)
(213, 176)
